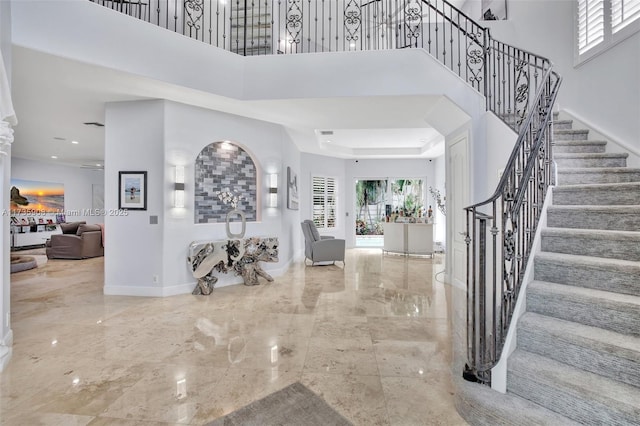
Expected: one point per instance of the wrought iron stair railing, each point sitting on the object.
(519, 87)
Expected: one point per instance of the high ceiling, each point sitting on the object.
(54, 98)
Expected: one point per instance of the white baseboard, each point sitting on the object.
(5, 356)
(146, 291)
(186, 288)
(8, 338)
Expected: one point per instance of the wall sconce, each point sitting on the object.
(179, 187)
(272, 201)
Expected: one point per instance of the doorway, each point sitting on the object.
(386, 200)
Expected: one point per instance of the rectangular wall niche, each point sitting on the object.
(224, 166)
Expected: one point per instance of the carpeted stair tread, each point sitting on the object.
(596, 308)
(590, 159)
(624, 193)
(617, 275)
(570, 134)
(481, 405)
(585, 397)
(592, 242)
(590, 155)
(620, 218)
(574, 146)
(582, 175)
(588, 348)
(562, 124)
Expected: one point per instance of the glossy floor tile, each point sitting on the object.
(373, 338)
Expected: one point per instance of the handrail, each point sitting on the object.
(515, 207)
(520, 88)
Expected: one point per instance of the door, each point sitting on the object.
(458, 187)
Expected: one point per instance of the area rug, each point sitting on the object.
(294, 405)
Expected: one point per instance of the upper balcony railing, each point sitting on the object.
(519, 87)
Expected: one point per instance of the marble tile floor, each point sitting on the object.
(372, 338)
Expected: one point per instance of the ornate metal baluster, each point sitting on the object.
(294, 23)
(352, 23)
(193, 16)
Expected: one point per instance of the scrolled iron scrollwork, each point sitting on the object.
(194, 10)
(352, 20)
(475, 61)
(294, 21)
(413, 20)
(509, 245)
(521, 94)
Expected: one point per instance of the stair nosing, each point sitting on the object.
(586, 232)
(594, 207)
(586, 260)
(590, 155)
(578, 142)
(607, 185)
(598, 170)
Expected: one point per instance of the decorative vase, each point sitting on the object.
(243, 219)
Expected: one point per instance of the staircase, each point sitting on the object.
(578, 349)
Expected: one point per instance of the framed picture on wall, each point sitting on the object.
(292, 189)
(132, 193)
(494, 10)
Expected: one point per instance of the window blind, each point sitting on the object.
(623, 12)
(324, 202)
(590, 24)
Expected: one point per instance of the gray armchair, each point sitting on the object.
(319, 248)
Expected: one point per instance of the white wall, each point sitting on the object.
(78, 185)
(156, 136)
(319, 165)
(86, 31)
(134, 141)
(604, 91)
(188, 131)
(292, 218)
(439, 181)
(500, 142)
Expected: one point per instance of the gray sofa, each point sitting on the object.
(77, 241)
(321, 248)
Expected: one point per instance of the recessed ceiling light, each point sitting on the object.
(98, 165)
(328, 141)
(75, 142)
(54, 156)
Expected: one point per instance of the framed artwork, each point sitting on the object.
(31, 196)
(292, 189)
(494, 10)
(132, 193)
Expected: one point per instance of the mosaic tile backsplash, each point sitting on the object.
(221, 166)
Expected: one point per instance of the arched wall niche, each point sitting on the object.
(221, 166)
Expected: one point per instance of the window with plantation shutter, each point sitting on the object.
(601, 24)
(590, 24)
(324, 201)
(623, 12)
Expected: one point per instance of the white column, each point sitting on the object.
(7, 119)
(6, 336)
